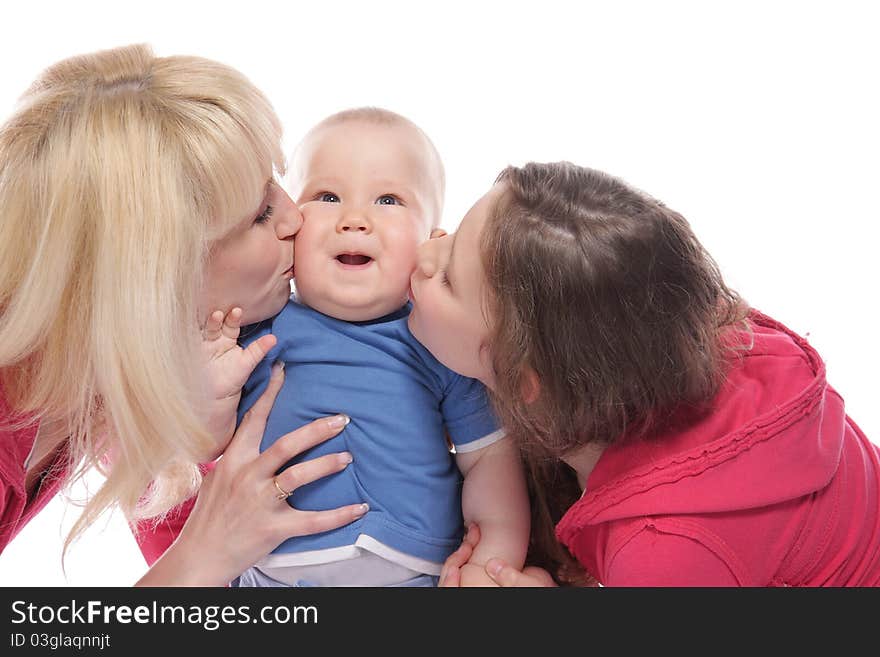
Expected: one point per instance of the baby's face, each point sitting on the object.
(369, 194)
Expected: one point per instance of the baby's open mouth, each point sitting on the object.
(353, 259)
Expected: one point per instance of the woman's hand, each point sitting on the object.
(501, 573)
(239, 515)
(450, 574)
(226, 367)
(530, 576)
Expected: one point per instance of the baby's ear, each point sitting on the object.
(438, 232)
(529, 386)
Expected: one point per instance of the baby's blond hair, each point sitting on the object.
(382, 116)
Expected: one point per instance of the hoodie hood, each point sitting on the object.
(774, 432)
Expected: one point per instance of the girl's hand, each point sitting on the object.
(238, 517)
(450, 574)
(501, 573)
(226, 369)
(530, 576)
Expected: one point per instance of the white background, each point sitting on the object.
(757, 121)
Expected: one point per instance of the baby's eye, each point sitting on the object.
(328, 197)
(444, 278)
(388, 199)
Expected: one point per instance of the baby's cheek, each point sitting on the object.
(303, 245)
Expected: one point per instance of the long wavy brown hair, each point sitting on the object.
(606, 295)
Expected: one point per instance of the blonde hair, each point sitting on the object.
(382, 116)
(117, 171)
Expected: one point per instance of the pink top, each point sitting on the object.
(15, 446)
(774, 486)
(16, 510)
(154, 538)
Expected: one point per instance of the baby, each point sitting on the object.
(370, 186)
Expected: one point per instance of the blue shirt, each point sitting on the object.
(401, 402)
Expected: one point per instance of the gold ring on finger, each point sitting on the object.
(281, 494)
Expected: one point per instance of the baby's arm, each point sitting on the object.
(495, 497)
(226, 367)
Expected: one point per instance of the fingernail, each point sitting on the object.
(338, 421)
(277, 367)
(493, 567)
(345, 457)
(361, 510)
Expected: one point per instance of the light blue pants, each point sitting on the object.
(253, 577)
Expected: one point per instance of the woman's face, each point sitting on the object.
(448, 290)
(251, 266)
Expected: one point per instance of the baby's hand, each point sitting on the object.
(226, 368)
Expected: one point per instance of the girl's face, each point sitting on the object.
(448, 293)
(251, 266)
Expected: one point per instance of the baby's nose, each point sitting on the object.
(353, 223)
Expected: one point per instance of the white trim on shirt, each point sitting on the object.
(480, 443)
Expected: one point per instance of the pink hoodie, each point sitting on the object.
(774, 486)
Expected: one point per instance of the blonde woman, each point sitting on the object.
(140, 227)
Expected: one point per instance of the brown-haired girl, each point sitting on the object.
(673, 435)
